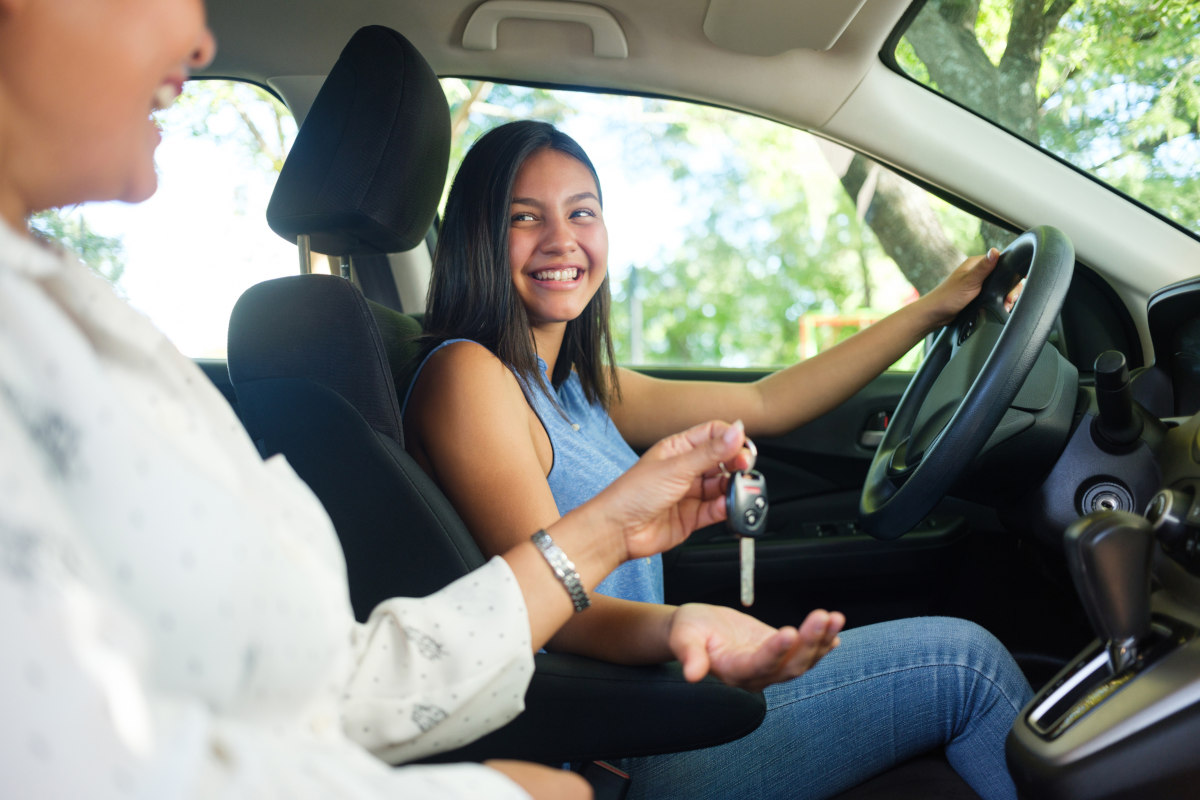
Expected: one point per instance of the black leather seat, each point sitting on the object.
(316, 366)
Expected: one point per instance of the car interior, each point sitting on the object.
(1035, 468)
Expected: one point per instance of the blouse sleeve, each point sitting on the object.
(436, 673)
(81, 718)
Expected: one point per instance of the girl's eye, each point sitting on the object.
(521, 216)
(583, 212)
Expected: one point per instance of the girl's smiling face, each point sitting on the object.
(557, 242)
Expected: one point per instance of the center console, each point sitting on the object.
(1122, 720)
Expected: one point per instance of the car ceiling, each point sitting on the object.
(827, 77)
(270, 40)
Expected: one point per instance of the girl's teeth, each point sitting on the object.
(558, 275)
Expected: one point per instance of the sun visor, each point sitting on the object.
(771, 27)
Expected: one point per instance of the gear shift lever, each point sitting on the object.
(1108, 554)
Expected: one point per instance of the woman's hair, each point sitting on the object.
(471, 293)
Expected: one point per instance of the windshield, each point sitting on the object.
(1110, 86)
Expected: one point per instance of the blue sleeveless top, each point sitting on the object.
(589, 454)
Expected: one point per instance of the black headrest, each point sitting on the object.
(320, 328)
(369, 163)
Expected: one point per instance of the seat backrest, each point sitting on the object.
(314, 375)
(314, 382)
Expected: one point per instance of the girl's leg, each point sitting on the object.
(889, 692)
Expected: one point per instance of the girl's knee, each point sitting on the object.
(977, 638)
(961, 636)
(982, 652)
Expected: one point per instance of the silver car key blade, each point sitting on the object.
(746, 562)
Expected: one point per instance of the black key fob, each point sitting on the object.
(746, 503)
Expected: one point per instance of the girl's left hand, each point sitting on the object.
(960, 287)
(743, 651)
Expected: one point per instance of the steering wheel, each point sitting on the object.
(966, 384)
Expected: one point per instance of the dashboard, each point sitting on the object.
(1121, 719)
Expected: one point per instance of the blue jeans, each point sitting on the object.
(890, 692)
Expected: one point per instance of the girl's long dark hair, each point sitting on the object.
(471, 293)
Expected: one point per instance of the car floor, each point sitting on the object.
(927, 777)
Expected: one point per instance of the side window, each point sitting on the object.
(735, 241)
(185, 256)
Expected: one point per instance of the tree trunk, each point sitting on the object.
(902, 220)
(898, 212)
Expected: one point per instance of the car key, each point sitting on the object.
(746, 515)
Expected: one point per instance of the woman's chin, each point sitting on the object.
(141, 187)
(142, 181)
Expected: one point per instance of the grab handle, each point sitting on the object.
(608, 40)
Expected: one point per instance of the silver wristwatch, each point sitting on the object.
(563, 568)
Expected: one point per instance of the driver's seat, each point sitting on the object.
(314, 366)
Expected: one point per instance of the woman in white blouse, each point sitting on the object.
(174, 610)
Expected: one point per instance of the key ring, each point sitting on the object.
(749, 445)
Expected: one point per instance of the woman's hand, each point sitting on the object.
(676, 487)
(542, 782)
(960, 287)
(742, 651)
